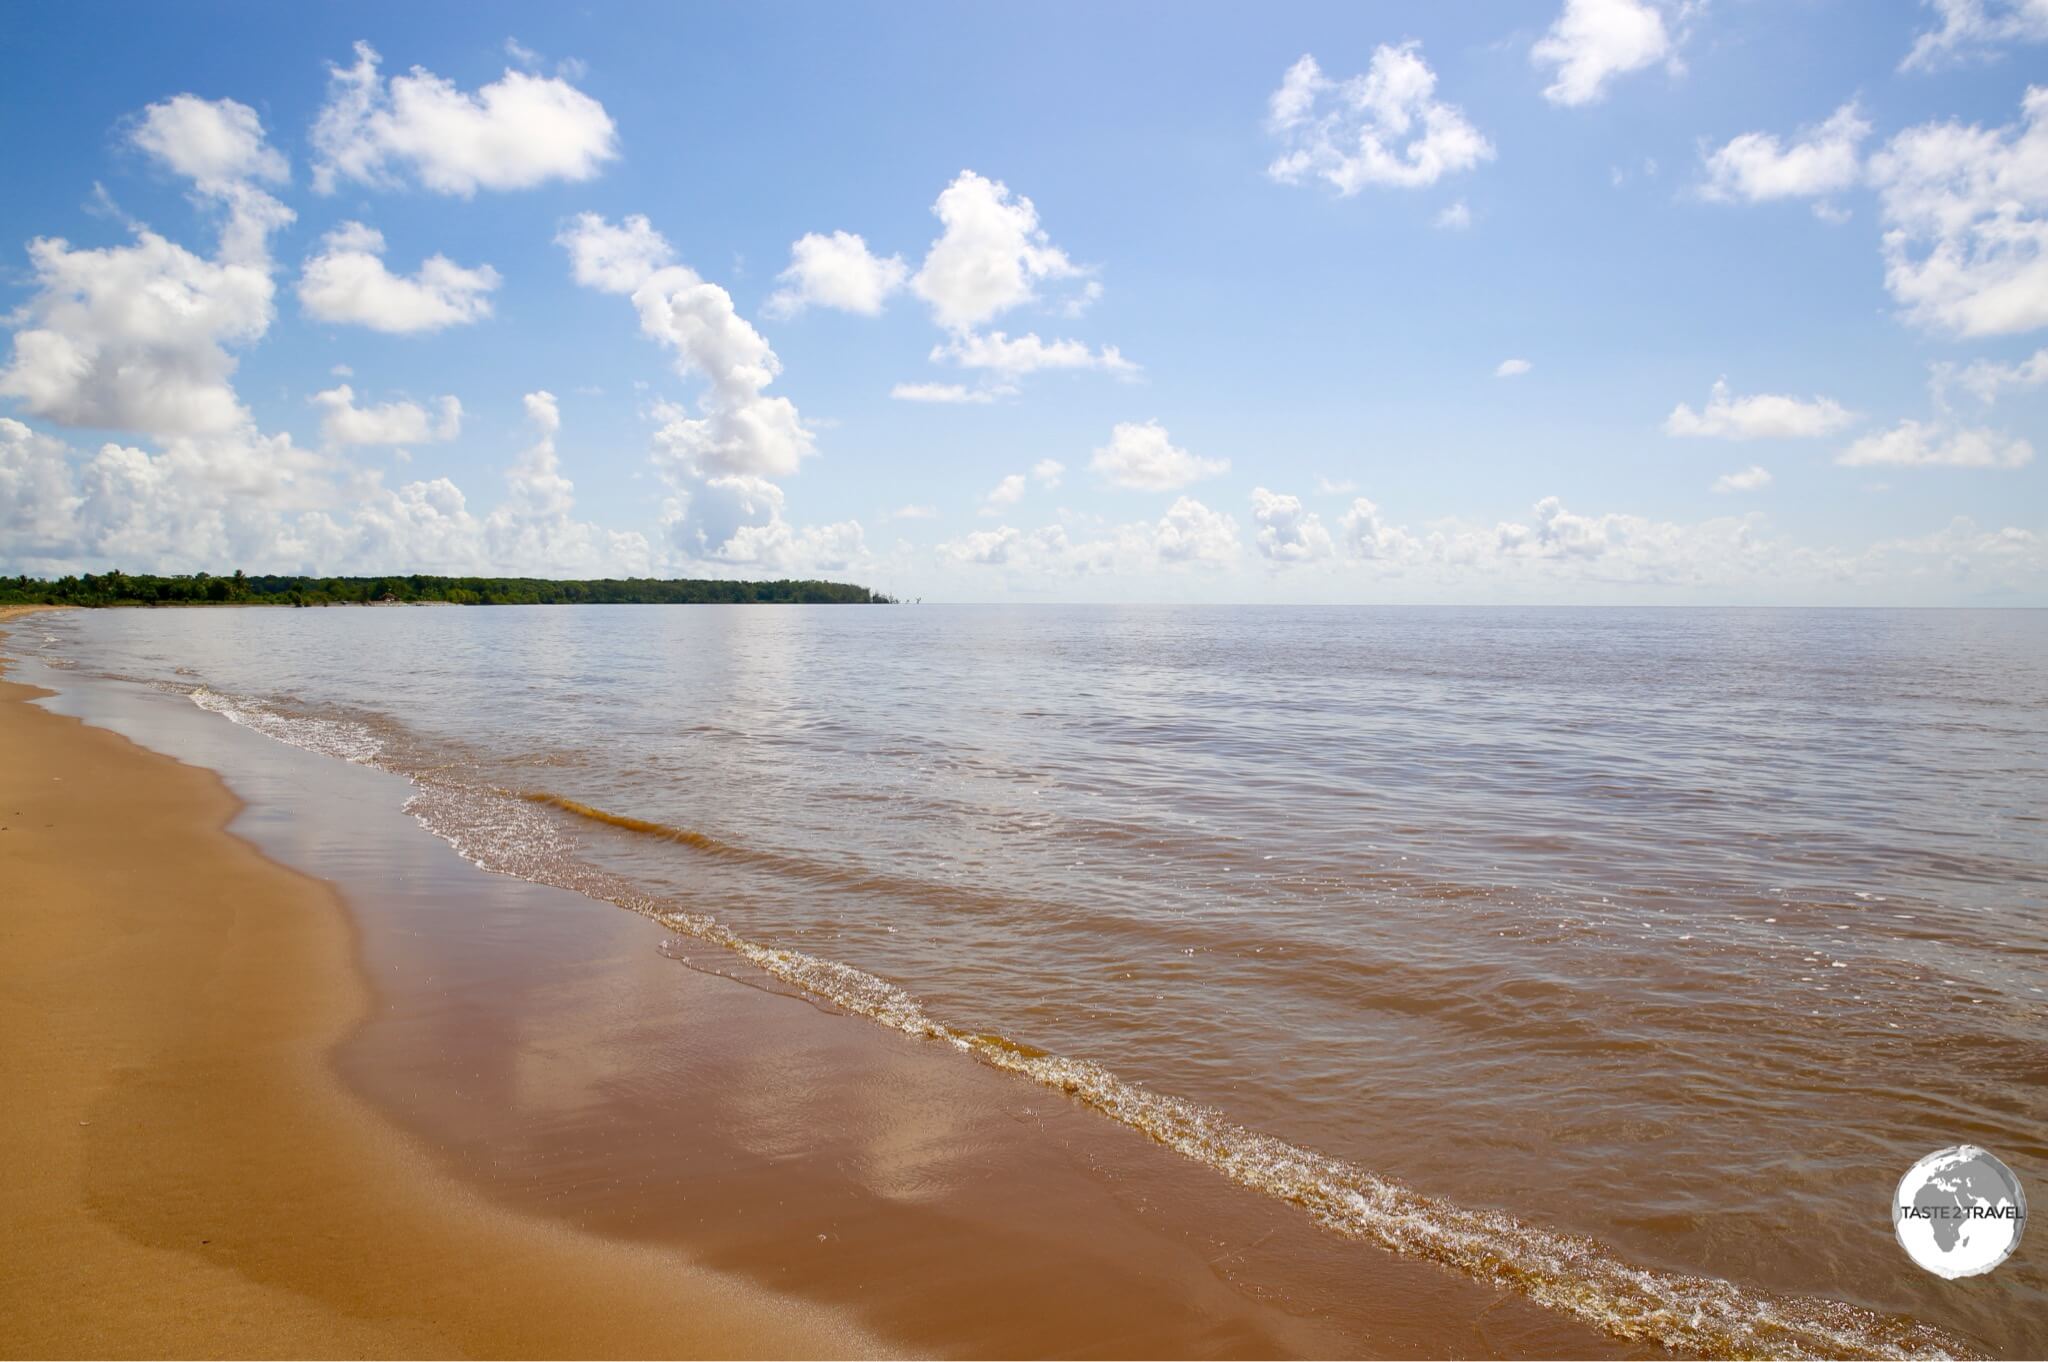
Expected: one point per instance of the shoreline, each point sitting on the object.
(189, 1177)
(450, 1111)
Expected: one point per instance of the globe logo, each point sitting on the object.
(1959, 1212)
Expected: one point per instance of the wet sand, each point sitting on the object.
(185, 1175)
(436, 1111)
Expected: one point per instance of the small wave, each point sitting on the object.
(1572, 1274)
(341, 738)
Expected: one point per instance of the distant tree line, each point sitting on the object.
(121, 588)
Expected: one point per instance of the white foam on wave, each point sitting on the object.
(341, 738)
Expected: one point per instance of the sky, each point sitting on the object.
(1562, 301)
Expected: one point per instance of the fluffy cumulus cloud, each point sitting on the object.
(252, 501)
(1965, 212)
(516, 132)
(991, 254)
(1751, 479)
(348, 282)
(1512, 368)
(1140, 455)
(836, 271)
(38, 500)
(344, 425)
(1761, 416)
(1593, 41)
(1288, 531)
(212, 142)
(139, 337)
(1757, 166)
(740, 430)
(1008, 492)
(724, 511)
(1190, 532)
(1976, 28)
(1048, 472)
(1386, 127)
(535, 524)
(990, 257)
(736, 522)
(614, 259)
(1919, 444)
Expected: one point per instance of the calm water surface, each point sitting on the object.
(1687, 931)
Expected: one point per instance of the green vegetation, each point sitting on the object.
(119, 588)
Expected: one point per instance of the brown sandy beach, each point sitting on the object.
(185, 1175)
(535, 1134)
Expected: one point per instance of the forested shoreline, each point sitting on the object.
(199, 588)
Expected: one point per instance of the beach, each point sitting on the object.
(248, 1119)
(590, 1028)
(185, 1174)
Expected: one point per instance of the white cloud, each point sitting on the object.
(1368, 536)
(837, 271)
(1512, 368)
(913, 511)
(37, 500)
(741, 431)
(1976, 28)
(1188, 535)
(348, 282)
(136, 337)
(1455, 218)
(212, 142)
(533, 524)
(1385, 127)
(1985, 379)
(1288, 531)
(1756, 166)
(1751, 479)
(1139, 455)
(1764, 416)
(1966, 222)
(1933, 445)
(1008, 492)
(990, 257)
(518, 131)
(1335, 487)
(736, 521)
(1048, 472)
(1556, 554)
(1027, 354)
(1190, 532)
(942, 393)
(614, 259)
(344, 424)
(249, 501)
(1593, 41)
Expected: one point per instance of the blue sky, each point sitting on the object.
(1270, 328)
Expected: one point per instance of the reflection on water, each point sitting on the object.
(1687, 930)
